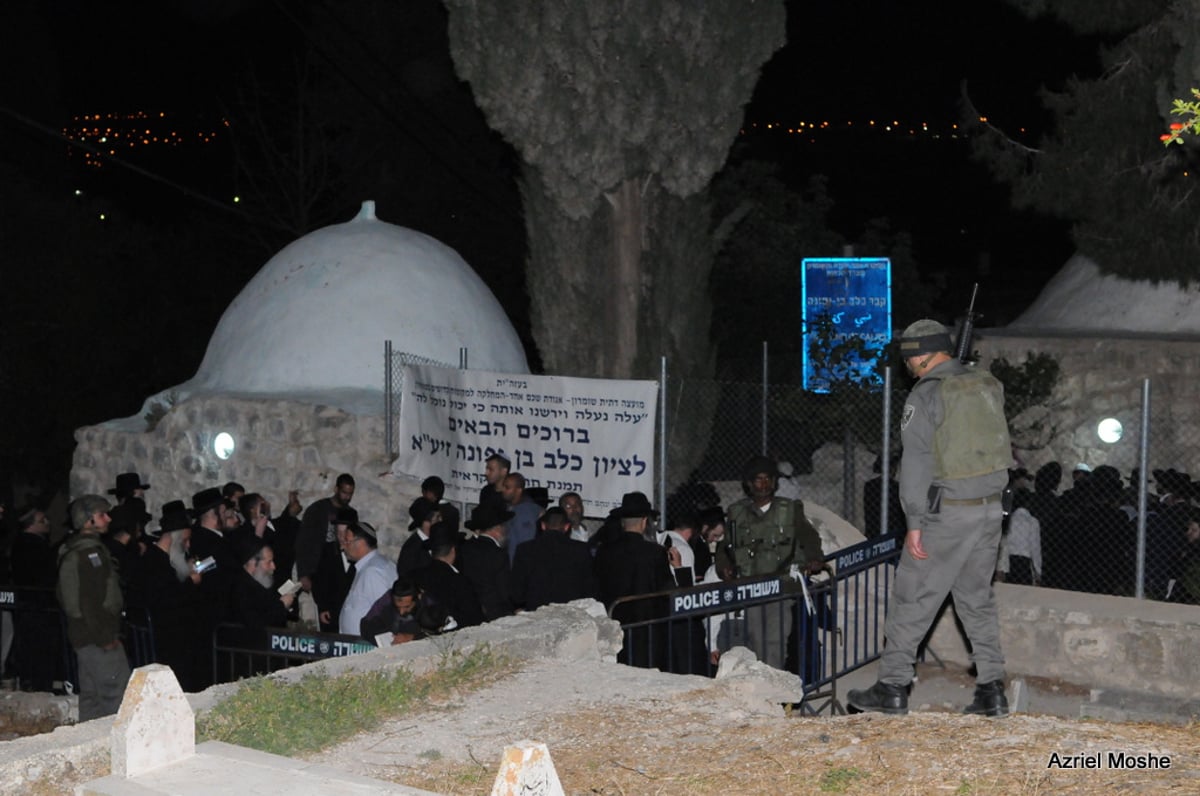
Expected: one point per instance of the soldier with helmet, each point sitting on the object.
(772, 535)
(952, 478)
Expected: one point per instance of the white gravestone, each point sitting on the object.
(155, 726)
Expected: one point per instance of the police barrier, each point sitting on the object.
(818, 630)
(239, 651)
(39, 658)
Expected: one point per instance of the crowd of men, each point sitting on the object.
(1084, 537)
(226, 557)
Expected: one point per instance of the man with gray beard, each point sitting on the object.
(173, 600)
(256, 604)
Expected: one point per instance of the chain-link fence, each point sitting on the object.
(833, 448)
(1125, 527)
(393, 389)
(1093, 528)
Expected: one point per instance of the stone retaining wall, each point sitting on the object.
(1102, 377)
(578, 631)
(1090, 639)
(280, 445)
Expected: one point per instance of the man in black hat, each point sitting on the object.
(210, 546)
(446, 587)
(123, 542)
(172, 594)
(256, 603)
(552, 568)
(413, 553)
(773, 538)
(629, 565)
(484, 559)
(208, 535)
(128, 485)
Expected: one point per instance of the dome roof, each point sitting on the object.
(1081, 299)
(314, 319)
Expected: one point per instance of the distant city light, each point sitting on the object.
(1110, 430)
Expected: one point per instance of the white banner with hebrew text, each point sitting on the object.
(591, 436)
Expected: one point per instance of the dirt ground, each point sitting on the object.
(615, 730)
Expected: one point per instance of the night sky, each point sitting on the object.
(844, 60)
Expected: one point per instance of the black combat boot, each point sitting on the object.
(989, 700)
(882, 698)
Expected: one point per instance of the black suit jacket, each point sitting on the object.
(413, 556)
(552, 568)
(255, 606)
(177, 611)
(486, 565)
(216, 584)
(452, 590)
(628, 565)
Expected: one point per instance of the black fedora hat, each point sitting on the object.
(175, 517)
(129, 515)
(419, 510)
(441, 535)
(206, 499)
(126, 483)
(636, 504)
(345, 516)
(488, 514)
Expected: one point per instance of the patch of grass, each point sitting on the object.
(837, 780)
(964, 789)
(292, 718)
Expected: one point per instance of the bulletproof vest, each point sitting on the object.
(972, 439)
(765, 545)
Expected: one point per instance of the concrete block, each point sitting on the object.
(527, 770)
(155, 725)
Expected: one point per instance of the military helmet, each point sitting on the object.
(924, 337)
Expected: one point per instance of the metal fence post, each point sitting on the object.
(848, 475)
(387, 397)
(885, 461)
(1143, 462)
(662, 443)
(764, 398)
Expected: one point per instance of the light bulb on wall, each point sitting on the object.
(1110, 430)
(223, 445)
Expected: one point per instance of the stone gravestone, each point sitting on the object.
(527, 770)
(155, 725)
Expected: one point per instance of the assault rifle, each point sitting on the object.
(966, 330)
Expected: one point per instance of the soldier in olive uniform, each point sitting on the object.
(772, 535)
(952, 476)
